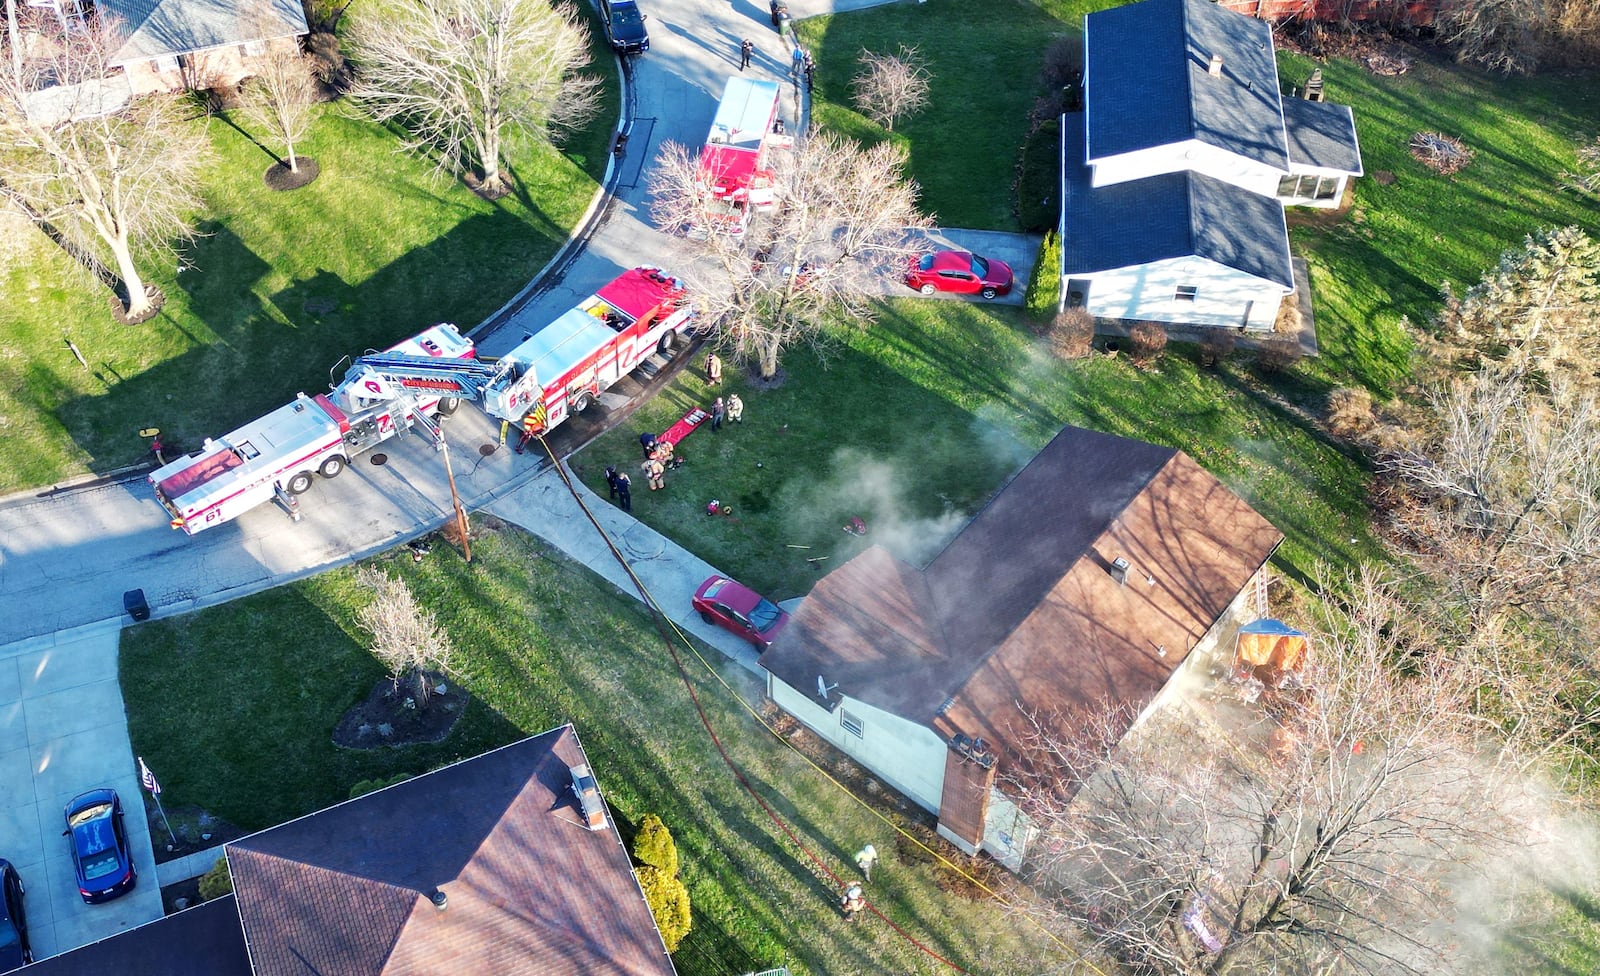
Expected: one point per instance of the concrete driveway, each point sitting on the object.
(62, 732)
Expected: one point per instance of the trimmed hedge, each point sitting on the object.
(1044, 287)
(1039, 177)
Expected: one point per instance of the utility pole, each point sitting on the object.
(455, 499)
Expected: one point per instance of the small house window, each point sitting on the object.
(852, 724)
(254, 49)
(1186, 293)
(167, 62)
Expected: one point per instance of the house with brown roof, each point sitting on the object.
(484, 866)
(1101, 571)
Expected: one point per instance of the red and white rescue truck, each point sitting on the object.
(734, 170)
(557, 371)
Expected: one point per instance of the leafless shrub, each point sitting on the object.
(891, 87)
(1071, 334)
(405, 637)
(1441, 153)
(1350, 412)
(1146, 342)
(1588, 177)
(1276, 354)
(1217, 345)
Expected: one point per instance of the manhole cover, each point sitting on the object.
(484, 450)
(380, 459)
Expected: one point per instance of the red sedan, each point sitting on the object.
(961, 272)
(740, 610)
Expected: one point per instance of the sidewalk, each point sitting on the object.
(547, 509)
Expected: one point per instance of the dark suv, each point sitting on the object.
(625, 26)
(14, 950)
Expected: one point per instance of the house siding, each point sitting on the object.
(1189, 156)
(215, 67)
(907, 756)
(1148, 292)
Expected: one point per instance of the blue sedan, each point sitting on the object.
(100, 853)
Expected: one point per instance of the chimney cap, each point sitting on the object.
(1119, 570)
(1216, 66)
(440, 899)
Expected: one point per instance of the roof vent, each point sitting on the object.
(1215, 69)
(440, 899)
(1119, 570)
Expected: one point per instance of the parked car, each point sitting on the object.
(740, 610)
(961, 272)
(100, 853)
(14, 949)
(624, 26)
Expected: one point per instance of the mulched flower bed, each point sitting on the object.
(393, 717)
(280, 177)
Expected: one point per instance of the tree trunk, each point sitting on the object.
(294, 160)
(139, 302)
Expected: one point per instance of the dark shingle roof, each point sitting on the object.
(1168, 216)
(203, 941)
(1019, 611)
(159, 27)
(1146, 80)
(530, 891)
(1322, 134)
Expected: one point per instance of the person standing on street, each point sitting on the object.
(624, 491)
(809, 66)
(735, 408)
(530, 429)
(746, 48)
(718, 411)
(713, 369)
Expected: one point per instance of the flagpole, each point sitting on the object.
(148, 780)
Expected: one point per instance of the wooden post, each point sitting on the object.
(455, 499)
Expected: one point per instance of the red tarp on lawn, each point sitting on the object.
(678, 431)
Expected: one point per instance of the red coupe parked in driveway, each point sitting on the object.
(961, 272)
(740, 610)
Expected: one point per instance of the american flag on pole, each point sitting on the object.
(148, 779)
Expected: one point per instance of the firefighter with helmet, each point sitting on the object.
(532, 426)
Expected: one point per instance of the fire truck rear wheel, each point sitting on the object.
(669, 342)
(448, 405)
(581, 402)
(332, 467)
(299, 484)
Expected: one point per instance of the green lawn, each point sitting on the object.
(984, 61)
(913, 422)
(541, 642)
(377, 238)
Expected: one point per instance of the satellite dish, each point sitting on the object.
(823, 688)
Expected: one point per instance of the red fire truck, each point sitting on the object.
(275, 456)
(555, 372)
(733, 165)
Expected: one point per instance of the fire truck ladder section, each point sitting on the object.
(396, 375)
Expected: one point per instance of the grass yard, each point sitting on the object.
(914, 422)
(984, 61)
(377, 242)
(1387, 258)
(541, 642)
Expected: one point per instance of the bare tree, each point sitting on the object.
(1507, 491)
(843, 223)
(891, 87)
(1538, 310)
(117, 178)
(405, 637)
(458, 73)
(1505, 35)
(280, 99)
(1316, 838)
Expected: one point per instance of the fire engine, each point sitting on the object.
(733, 165)
(274, 456)
(555, 372)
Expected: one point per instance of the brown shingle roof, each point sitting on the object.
(345, 892)
(1020, 610)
